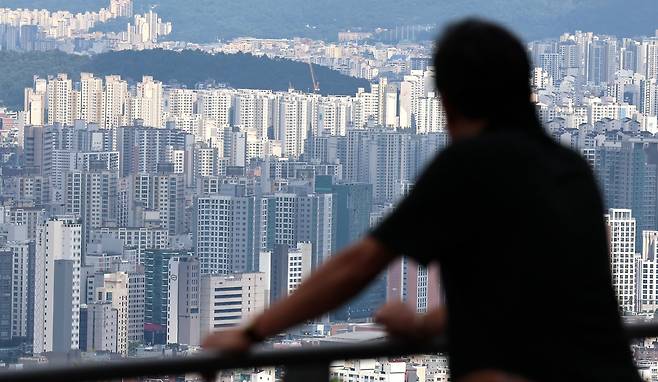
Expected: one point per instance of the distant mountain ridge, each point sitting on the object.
(207, 20)
(185, 68)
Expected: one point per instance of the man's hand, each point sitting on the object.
(340, 278)
(402, 321)
(232, 341)
(399, 320)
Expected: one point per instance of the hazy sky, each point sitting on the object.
(206, 20)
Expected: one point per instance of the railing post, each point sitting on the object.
(307, 373)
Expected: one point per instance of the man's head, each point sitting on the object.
(483, 77)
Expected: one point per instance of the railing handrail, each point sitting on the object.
(210, 363)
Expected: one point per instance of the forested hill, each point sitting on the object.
(185, 68)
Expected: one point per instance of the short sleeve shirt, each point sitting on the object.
(516, 223)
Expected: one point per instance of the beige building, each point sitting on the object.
(115, 290)
(228, 301)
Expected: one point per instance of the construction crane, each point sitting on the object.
(316, 85)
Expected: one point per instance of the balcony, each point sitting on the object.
(299, 365)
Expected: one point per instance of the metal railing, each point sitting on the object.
(299, 364)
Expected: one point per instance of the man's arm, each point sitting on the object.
(335, 282)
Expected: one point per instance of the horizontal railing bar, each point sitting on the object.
(209, 363)
(641, 330)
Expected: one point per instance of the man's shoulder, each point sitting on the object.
(506, 143)
(510, 150)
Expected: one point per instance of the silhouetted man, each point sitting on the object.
(516, 223)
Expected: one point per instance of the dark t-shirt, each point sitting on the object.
(516, 224)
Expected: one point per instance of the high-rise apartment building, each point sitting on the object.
(101, 327)
(156, 270)
(293, 123)
(602, 61)
(415, 285)
(648, 104)
(278, 220)
(183, 308)
(285, 268)
(6, 279)
(163, 192)
(315, 224)
(627, 175)
(181, 102)
(136, 297)
(57, 285)
(91, 195)
(116, 103)
(148, 103)
(144, 149)
(17, 290)
(90, 100)
(115, 291)
(140, 238)
(225, 233)
(36, 103)
(61, 100)
(622, 227)
(646, 301)
(216, 105)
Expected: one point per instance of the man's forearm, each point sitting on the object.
(339, 279)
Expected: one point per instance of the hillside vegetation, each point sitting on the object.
(186, 68)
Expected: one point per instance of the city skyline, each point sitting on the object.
(137, 215)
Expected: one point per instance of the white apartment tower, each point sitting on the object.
(181, 102)
(299, 265)
(430, 117)
(90, 101)
(622, 226)
(35, 103)
(652, 59)
(121, 8)
(61, 100)
(92, 196)
(418, 84)
(216, 105)
(163, 192)
(366, 106)
(648, 97)
(285, 268)
(147, 105)
(245, 110)
(57, 285)
(116, 103)
(647, 274)
(293, 123)
(206, 162)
